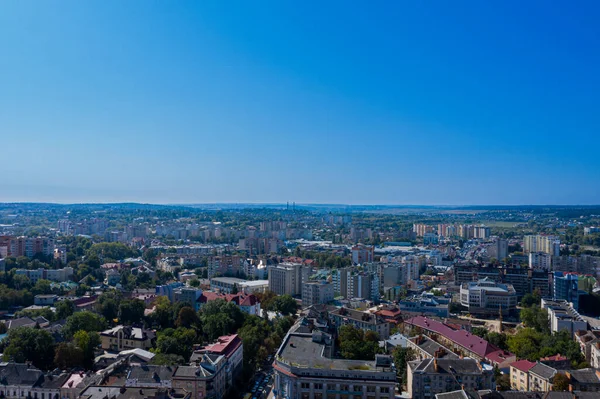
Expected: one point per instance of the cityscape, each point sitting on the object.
(299, 200)
(286, 301)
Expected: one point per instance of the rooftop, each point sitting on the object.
(523, 365)
(445, 366)
(301, 350)
(463, 338)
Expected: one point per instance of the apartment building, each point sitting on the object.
(540, 261)
(316, 292)
(566, 288)
(540, 243)
(58, 275)
(461, 341)
(362, 254)
(540, 377)
(488, 297)
(426, 378)
(562, 316)
(519, 374)
(286, 278)
(306, 369)
(206, 379)
(426, 348)
(229, 346)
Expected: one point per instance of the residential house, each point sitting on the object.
(126, 337)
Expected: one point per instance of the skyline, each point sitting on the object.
(186, 103)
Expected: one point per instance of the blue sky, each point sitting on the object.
(434, 102)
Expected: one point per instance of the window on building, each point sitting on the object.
(318, 386)
(384, 390)
(305, 385)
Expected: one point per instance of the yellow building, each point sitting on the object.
(519, 375)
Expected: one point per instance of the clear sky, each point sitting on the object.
(359, 102)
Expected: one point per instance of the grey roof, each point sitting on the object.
(446, 366)
(511, 395)
(460, 394)
(559, 395)
(19, 374)
(543, 371)
(20, 322)
(363, 317)
(192, 372)
(103, 392)
(430, 347)
(586, 376)
(150, 374)
(300, 349)
(51, 381)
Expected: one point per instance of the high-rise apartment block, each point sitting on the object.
(539, 243)
(316, 292)
(286, 279)
(362, 254)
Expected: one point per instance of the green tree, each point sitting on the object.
(219, 317)
(108, 305)
(176, 341)
(30, 344)
(355, 344)
(64, 309)
(87, 342)
(187, 318)
(67, 356)
(561, 382)
(285, 305)
(163, 315)
(42, 287)
(131, 311)
(401, 357)
(168, 359)
(86, 321)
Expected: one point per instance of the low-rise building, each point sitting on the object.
(424, 306)
(587, 380)
(150, 376)
(247, 303)
(20, 380)
(519, 374)
(45, 300)
(305, 368)
(426, 378)
(365, 321)
(34, 275)
(125, 337)
(488, 297)
(226, 285)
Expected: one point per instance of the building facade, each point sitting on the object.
(488, 297)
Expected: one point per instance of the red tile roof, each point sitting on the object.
(555, 358)
(523, 365)
(225, 345)
(471, 342)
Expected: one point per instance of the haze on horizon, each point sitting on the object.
(206, 102)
